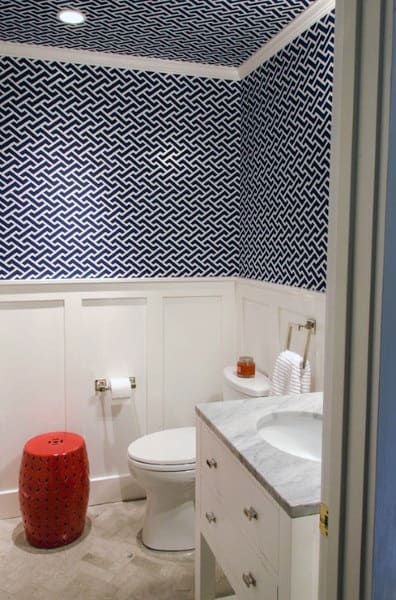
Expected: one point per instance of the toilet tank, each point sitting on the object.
(235, 387)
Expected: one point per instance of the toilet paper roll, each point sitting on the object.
(120, 387)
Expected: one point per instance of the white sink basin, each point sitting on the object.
(297, 433)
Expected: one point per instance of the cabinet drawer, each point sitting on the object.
(246, 571)
(214, 460)
(250, 507)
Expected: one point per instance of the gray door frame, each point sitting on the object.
(363, 60)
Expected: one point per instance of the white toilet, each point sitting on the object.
(164, 464)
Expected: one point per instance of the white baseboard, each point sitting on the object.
(114, 488)
(9, 504)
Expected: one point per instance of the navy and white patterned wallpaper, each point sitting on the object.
(113, 173)
(223, 32)
(285, 157)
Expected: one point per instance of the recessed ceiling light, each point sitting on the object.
(71, 16)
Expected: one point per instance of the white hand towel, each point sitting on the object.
(289, 377)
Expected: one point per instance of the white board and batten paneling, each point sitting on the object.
(264, 312)
(173, 335)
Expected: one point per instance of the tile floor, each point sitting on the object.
(108, 562)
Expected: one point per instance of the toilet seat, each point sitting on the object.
(162, 468)
(168, 450)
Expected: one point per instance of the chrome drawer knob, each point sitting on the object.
(212, 463)
(250, 513)
(249, 580)
(210, 517)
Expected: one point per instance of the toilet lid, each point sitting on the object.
(168, 447)
(256, 386)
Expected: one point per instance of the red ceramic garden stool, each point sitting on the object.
(54, 488)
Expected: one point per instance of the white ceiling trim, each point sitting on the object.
(121, 61)
(300, 24)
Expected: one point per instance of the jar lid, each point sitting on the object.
(247, 360)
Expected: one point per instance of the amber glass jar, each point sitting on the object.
(246, 366)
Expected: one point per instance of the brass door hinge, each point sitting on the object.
(324, 519)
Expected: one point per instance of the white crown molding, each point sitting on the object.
(121, 61)
(311, 15)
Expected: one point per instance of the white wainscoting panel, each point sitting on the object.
(259, 331)
(112, 342)
(192, 356)
(32, 391)
(264, 313)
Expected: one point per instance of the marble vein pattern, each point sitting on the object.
(292, 481)
(108, 562)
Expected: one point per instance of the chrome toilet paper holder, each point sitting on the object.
(103, 385)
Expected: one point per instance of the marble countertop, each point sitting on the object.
(292, 481)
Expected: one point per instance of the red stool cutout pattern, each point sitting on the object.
(54, 488)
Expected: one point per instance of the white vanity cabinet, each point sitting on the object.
(264, 553)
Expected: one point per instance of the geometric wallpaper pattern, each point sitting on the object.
(223, 32)
(114, 173)
(285, 159)
(107, 172)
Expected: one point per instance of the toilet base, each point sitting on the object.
(169, 523)
(168, 526)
